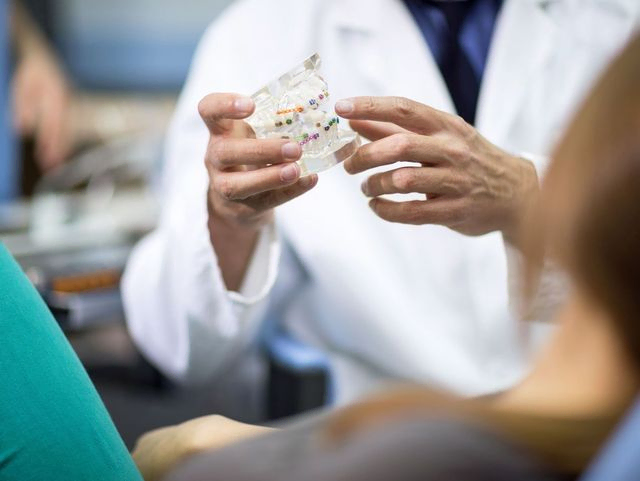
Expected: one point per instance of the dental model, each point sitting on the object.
(296, 107)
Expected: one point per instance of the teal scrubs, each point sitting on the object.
(53, 425)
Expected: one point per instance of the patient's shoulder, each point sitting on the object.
(419, 449)
(429, 449)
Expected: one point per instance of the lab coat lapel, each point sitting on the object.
(522, 42)
(390, 53)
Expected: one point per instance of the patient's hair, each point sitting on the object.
(588, 215)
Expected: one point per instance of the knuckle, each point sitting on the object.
(411, 214)
(459, 123)
(460, 153)
(220, 152)
(403, 106)
(404, 180)
(216, 151)
(210, 167)
(224, 187)
(368, 104)
(402, 144)
(261, 151)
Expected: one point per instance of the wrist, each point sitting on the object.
(223, 227)
(525, 193)
(234, 245)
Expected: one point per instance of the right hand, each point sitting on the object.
(247, 177)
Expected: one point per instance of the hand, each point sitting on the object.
(248, 178)
(42, 105)
(471, 186)
(158, 452)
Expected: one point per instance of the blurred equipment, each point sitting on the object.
(81, 286)
(299, 376)
(84, 220)
(126, 62)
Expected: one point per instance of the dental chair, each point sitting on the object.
(299, 376)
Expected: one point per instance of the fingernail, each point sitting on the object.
(344, 106)
(365, 187)
(243, 104)
(309, 180)
(289, 172)
(291, 150)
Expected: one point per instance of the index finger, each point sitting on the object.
(411, 115)
(397, 148)
(219, 110)
(373, 130)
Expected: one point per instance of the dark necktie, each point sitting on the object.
(459, 34)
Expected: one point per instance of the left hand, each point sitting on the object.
(160, 451)
(42, 105)
(471, 186)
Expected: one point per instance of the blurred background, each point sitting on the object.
(76, 194)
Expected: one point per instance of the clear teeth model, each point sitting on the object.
(296, 106)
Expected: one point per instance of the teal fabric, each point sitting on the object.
(53, 425)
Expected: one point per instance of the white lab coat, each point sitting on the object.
(385, 300)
